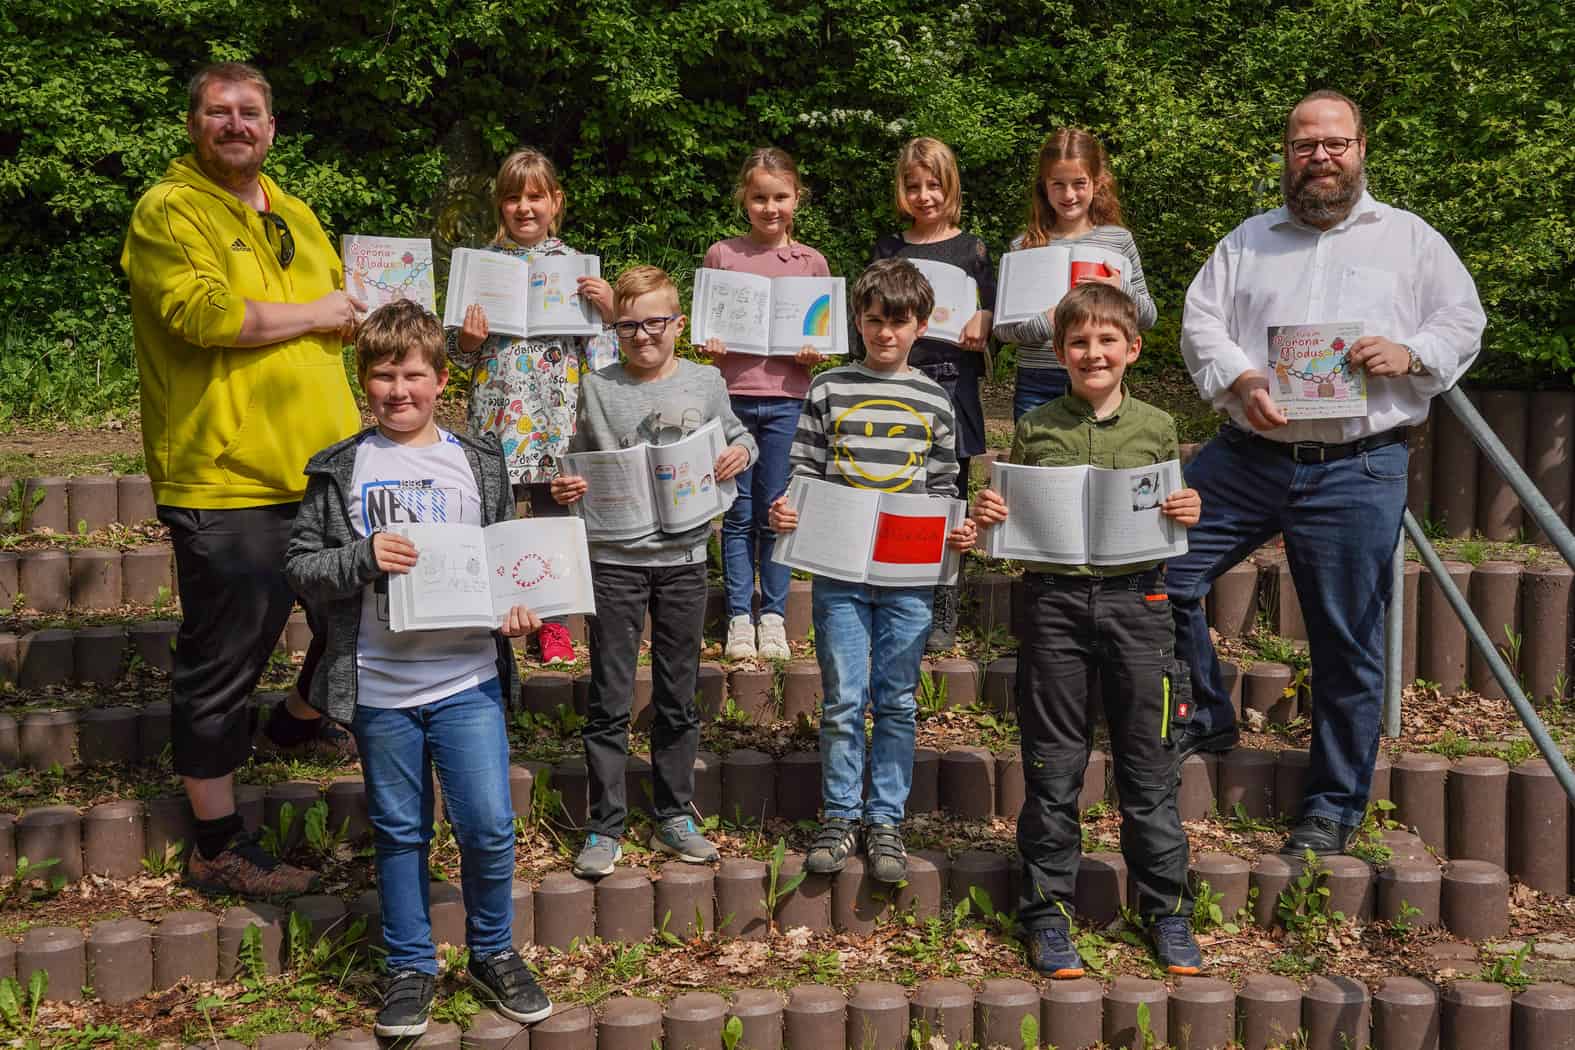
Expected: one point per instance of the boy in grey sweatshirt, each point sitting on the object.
(651, 397)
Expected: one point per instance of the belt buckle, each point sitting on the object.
(1317, 451)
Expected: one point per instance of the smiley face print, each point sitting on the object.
(880, 443)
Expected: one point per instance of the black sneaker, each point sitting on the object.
(407, 1001)
(1322, 835)
(509, 987)
(1176, 947)
(1189, 740)
(836, 842)
(887, 856)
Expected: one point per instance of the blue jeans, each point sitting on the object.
(463, 738)
(746, 533)
(1035, 386)
(1341, 521)
(869, 641)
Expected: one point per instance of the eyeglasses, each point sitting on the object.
(279, 237)
(654, 326)
(1332, 146)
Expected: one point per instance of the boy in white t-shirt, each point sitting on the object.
(426, 699)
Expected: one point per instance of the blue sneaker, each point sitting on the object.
(679, 837)
(597, 856)
(1177, 950)
(1052, 953)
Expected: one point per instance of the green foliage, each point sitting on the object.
(393, 122)
(1510, 970)
(778, 888)
(19, 1006)
(33, 880)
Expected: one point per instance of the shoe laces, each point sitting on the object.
(1173, 934)
(1053, 939)
(679, 826)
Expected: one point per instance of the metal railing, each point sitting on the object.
(1547, 519)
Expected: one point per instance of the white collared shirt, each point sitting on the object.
(1380, 266)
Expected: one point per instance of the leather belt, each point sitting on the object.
(1328, 452)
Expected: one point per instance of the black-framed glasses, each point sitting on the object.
(279, 237)
(1334, 146)
(654, 326)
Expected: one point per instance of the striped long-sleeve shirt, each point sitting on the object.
(1033, 337)
(888, 431)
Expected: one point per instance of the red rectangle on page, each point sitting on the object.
(1089, 269)
(903, 540)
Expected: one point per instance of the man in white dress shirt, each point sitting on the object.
(1335, 488)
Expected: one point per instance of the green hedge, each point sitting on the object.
(392, 118)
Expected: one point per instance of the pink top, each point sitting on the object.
(750, 375)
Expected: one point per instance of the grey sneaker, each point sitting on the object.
(887, 856)
(836, 841)
(680, 837)
(597, 856)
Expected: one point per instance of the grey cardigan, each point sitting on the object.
(329, 566)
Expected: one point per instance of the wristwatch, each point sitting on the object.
(1414, 366)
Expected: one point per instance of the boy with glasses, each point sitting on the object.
(652, 396)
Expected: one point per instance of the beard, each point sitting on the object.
(1322, 205)
(229, 169)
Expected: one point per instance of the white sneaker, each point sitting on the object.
(740, 639)
(773, 638)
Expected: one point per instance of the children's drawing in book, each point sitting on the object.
(522, 297)
(956, 299)
(469, 576)
(1085, 515)
(1313, 377)
(770, 316)
(382, 270)
(667, 487)
(863, 536)
(1033, 280)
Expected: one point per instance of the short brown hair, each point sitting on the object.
(643, 280)
(394, 331)
(233, 72)
(519, 171)
(937, 158)
(1326, 95)
(775, 162)
(896, 288)
(1095, 303)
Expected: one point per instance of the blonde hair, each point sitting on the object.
(1095, 303)
(519, 171)
(643, 280)
(1072, 144)
(393, 332)
(937, 158)
(774, 161)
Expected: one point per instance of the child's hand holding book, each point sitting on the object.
(733, 459)
(782, 517)
(567, 488)
(1184, 507)
(988, 508)
(393, 553)
(597, 292)
(520, 621)
(474, 331)
(962, 538)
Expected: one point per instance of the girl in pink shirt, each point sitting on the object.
(767, 393)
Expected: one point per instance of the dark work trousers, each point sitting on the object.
(537, 497)
(675, 595)
(234, 603)
(1115, 632)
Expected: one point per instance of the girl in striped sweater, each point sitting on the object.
(1072, 199)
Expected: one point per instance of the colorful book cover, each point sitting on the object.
(381, 270)
(1313, 376)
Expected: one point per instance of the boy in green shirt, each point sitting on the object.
(1112, 623)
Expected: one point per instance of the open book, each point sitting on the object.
(522, 298)
(956, 299)
(469, 576)
(382, 270)
(770, 315)
(1085, 515)
(1033, 280)
(862, 536)
(635, 491)
(1312, 375)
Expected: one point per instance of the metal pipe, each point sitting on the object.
(1531, 500)
(1484, 645)
(1394, 642)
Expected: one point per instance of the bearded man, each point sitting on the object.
(1334, 488)
(240, 319)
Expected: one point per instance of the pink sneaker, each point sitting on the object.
(554, 644)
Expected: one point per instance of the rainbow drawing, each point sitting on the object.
(817, 319)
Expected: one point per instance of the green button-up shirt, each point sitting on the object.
(1064, 433)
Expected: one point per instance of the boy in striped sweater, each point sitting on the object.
(882, 425)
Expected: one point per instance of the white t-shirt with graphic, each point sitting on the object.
(397, 484)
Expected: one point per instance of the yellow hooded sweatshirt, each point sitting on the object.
(225, 426)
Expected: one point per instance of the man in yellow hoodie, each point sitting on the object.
(240, 320)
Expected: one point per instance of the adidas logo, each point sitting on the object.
(238, 245)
